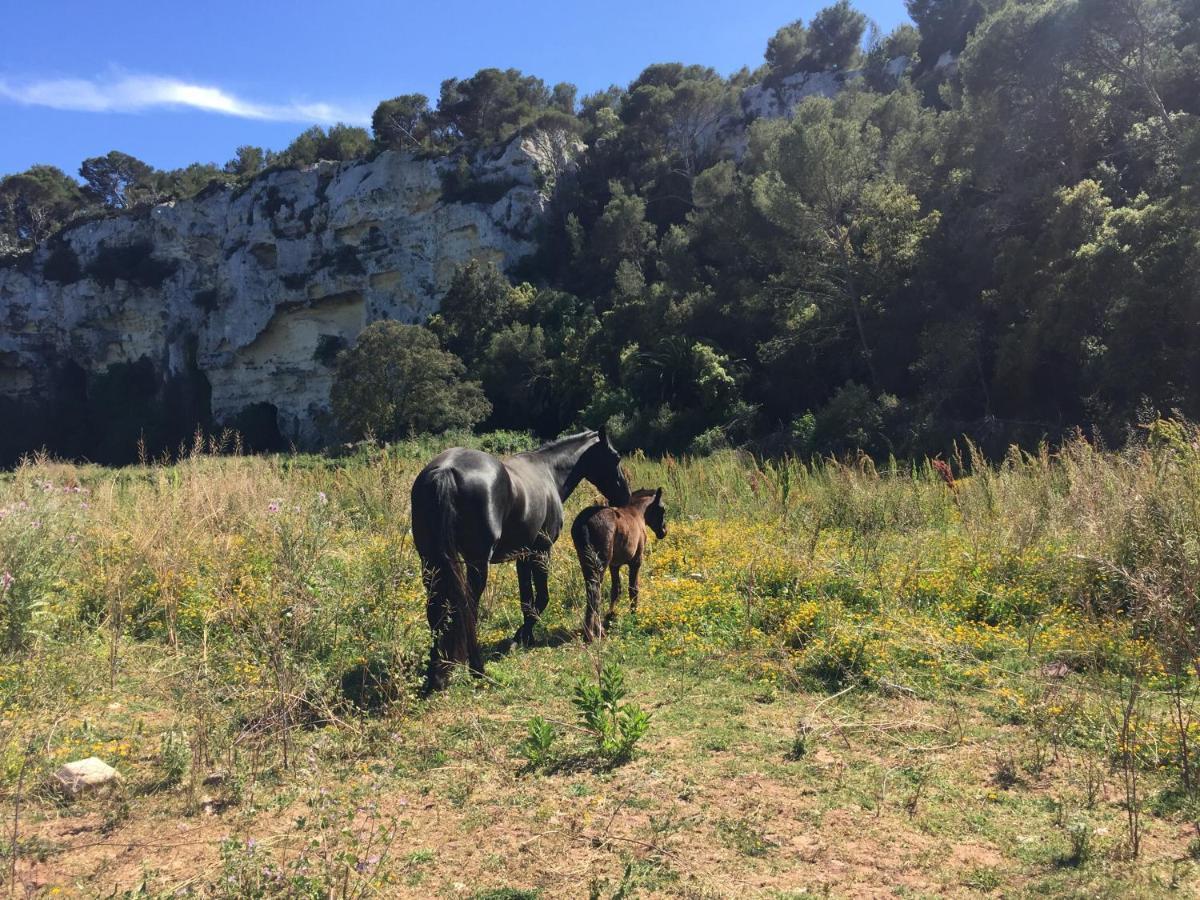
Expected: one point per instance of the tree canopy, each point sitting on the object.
(396, 382)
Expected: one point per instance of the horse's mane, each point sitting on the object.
(563, 441)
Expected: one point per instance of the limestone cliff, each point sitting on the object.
(258, 288)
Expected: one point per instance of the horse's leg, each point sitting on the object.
(635, 567)
(615, 592)
(477, 575)
(541, 584)
(524, 635)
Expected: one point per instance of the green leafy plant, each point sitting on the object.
(174, 755)
(538, 746)
(615, 727)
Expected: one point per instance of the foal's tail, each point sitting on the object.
(449, 609)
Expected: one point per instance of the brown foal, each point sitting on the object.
(608, 537)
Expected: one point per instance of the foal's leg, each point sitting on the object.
(615, 593)
(477, 575)
(635, 566)
(524, 635)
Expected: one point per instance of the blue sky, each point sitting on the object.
(174, 82)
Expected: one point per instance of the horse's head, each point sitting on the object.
(656, 515)
(601, 465)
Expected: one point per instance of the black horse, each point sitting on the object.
(471, 507)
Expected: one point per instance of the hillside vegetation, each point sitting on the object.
(991, 229)
(947, 678)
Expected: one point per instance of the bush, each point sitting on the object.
(615, 727)
(397, 382)
(538, 746)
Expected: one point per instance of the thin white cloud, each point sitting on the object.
(138, 93)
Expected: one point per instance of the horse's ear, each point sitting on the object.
(603, 434)
(658, 496)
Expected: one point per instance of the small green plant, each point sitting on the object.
(743, 837)
(616, 727)
(538, 746)
(174, 755)
(985, 878)
(1193, 849)
(800, 743)
(1080, 835)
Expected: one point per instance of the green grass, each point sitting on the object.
(853, 677)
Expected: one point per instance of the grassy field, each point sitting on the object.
(907, 681)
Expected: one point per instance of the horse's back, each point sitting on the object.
(468, 486)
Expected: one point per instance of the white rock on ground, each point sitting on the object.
(85, 775)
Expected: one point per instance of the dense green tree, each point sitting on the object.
(622, 234)
(478, 304)
(945, 25)
(34, 204)
(112, 180)
(492, 104)
(831, 41)
(345, 142)
(178, 184)
(402, 123)
(396, 381)
(247, 161)
(827, 186)
(835, 37)
(516, 374)
(787, 50)
(563, 96)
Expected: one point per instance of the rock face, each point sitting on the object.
(776, 101)
(257, 289)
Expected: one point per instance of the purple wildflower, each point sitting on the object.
(6, 581)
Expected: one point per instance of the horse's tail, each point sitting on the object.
(449, 609)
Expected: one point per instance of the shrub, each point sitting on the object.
(538, 746)
(174, 756)
(397, 382)
(615, 727)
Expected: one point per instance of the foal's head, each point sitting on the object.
(656, 515)
(601, 465)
